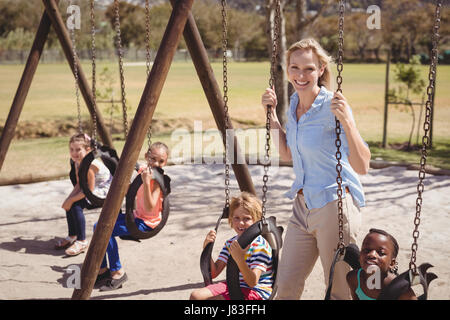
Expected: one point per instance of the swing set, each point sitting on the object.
(350, 254)
(266, 227)
(182, 21)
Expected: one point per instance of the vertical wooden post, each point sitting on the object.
(133, 144)
(64, 38)
(386, 99)
(214, 96)
(24, 86)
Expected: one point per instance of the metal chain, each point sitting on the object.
(275, 39)
(147, 35)
(340, 56)
(340, 66)
(120, 54)
(426, 127)
(225, 98)
(147, 38)
(94, 89)
(75, 72)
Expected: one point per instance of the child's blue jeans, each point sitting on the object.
(75, 219)
(120, 229)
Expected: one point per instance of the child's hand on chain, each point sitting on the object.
(147, 175)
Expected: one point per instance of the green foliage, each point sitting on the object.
(439, 155)
(410, 75)
(245, 29)
(132, 22)
(106, 82)
(19, 14)
(405, 25)
(18, 39)
(410, 80)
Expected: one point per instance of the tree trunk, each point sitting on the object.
(376, 51)
(362, 53)
(280, 78)
(301, 10)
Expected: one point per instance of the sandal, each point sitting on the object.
(77, 248)
(64, 243)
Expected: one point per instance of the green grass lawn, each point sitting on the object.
(52, 97)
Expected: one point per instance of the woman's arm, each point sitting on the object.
(359, 153)
(269, 98)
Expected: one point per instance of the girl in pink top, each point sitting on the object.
(148, 208)
(147, 215)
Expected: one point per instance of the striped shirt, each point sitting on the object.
(259, 256)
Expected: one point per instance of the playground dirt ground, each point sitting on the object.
(166, 267)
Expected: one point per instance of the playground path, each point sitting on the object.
(167, 266)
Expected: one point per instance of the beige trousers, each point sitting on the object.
(311, 234)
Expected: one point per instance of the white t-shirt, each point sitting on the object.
(103, 179)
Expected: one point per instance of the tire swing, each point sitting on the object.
(164, 183)
(106, 154)
(205, 257)
(110, 159)
(157, 173)
(350, 254)
(266, 227)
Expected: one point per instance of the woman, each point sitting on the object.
(309, 141)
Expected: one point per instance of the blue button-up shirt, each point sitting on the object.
(311, 140)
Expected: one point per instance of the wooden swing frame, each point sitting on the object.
(181, 21)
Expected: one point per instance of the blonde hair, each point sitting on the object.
(83, 138)
(159, 145)
(325, 59)
(248, 202)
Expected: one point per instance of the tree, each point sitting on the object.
(19, 14)
(281, 83)
(17, 39)
(280, 78)
(304, 19)
(410, 83)
(132, 18)
(360, 39)
(244, 29)
(406, 23)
